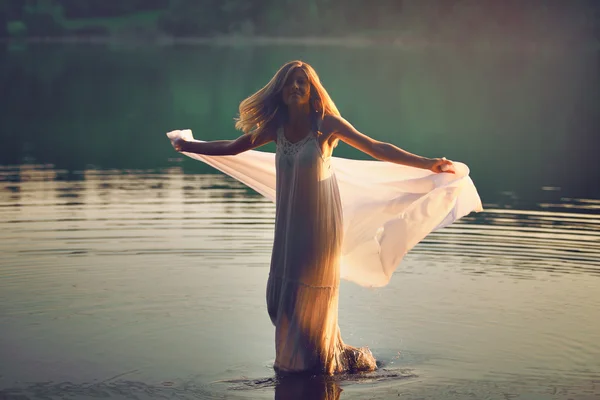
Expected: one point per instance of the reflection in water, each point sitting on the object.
(318, 388)
(298, 387)
(36, 200)
(113, 389)
(304, 388)
(522, 242)
(285, 387)
(111, 270)
(314, 387)
(464, 104)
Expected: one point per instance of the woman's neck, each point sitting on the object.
(298, 117)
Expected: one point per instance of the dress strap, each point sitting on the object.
(279, 133)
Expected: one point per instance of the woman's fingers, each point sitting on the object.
(176, 143)
(446, 166)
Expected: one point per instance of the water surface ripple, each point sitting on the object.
(157, 278)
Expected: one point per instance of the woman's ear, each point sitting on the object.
(316, 104)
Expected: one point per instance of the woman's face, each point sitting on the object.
(296, 91)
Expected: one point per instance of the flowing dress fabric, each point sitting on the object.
(386, 208)
(303, 285)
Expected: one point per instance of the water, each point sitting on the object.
(129, 272)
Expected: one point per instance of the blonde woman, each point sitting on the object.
(295, 111)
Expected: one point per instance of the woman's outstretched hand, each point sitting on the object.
(180, 138)
(178, 143)
(442, 165)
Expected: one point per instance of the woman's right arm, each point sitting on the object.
(223, 147)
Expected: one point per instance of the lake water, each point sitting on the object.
(127, 271)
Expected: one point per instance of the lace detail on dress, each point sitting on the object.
(287, 147)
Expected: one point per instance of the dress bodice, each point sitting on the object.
(305, 155)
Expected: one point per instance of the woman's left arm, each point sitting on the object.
(383, 151)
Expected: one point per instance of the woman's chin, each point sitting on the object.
(296, 102)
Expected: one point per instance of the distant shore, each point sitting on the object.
(407, 41)
(222, 40)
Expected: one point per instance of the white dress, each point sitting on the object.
(387, 208)
(359, 229)
(304, 278)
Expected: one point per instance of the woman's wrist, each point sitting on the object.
(426, 163)
(184, 146)
(189, 146)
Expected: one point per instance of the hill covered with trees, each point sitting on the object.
(448, 20)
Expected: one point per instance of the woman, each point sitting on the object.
(295, 111)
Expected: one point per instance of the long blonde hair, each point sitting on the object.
(265, 109)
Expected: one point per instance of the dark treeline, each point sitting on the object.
(448, 19)
(519, 119)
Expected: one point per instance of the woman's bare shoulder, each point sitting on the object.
(330, 124)
(334, 124)
(269, 133)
